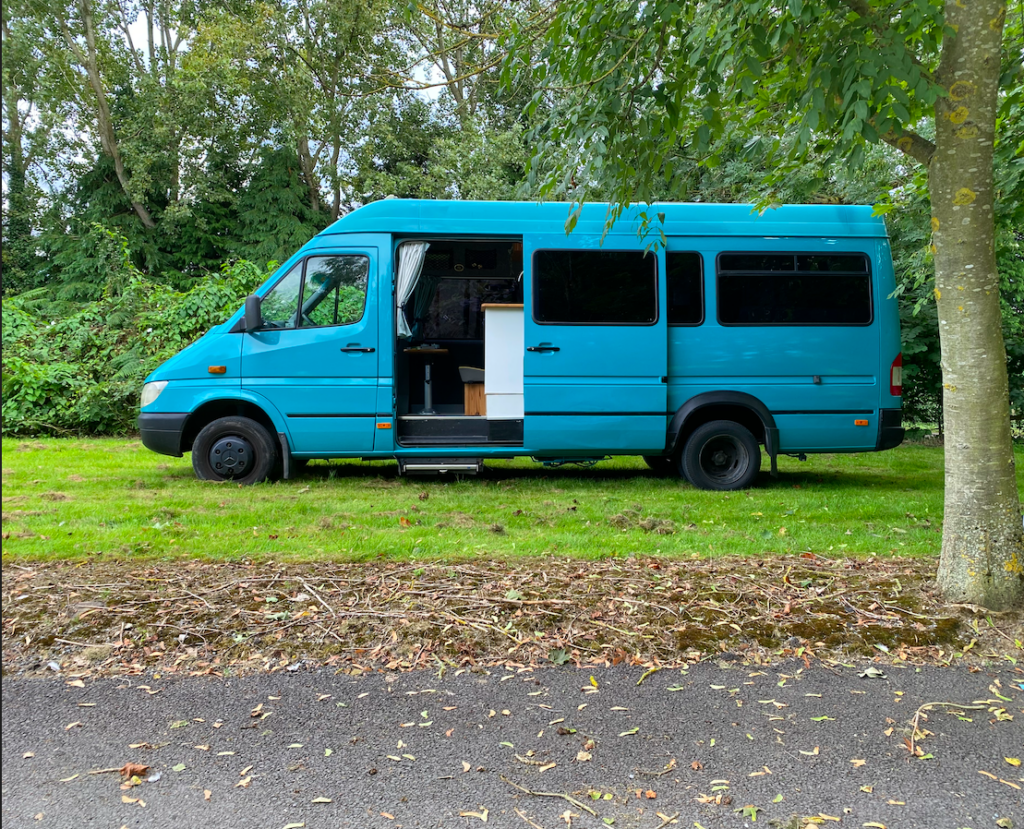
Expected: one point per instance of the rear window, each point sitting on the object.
(595, 287)
(794, 289)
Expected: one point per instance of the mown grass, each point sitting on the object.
(115, 499)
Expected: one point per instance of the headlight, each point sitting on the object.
(151, 391)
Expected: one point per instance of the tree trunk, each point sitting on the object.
(308, 166)
(982, 543)
(104, 122)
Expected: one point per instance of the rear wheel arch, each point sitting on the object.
(739, 407)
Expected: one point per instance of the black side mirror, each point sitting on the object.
(253, 314)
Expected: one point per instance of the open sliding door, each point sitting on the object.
(596, 340)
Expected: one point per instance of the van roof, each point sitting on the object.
(404, 217)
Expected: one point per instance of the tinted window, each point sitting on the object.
(755, 262)
(594, 287)
(334, 290)
(685, 288)
(816, 290)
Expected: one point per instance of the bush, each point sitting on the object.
(82, 371)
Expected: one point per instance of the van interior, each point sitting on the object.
(440, 369)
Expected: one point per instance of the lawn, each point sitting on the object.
(78, 499)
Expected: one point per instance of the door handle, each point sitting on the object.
(359, 350)
(543, 348)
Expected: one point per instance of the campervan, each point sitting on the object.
(444, 333)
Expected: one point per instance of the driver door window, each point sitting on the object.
(333, 292)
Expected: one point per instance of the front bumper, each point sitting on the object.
(890, 429)
(161, 431)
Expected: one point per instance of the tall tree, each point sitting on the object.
(628, 83)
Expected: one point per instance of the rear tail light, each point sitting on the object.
(896, 377)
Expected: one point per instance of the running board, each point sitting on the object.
(439, 466)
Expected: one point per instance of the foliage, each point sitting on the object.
(79, 368)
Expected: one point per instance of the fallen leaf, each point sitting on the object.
(583, 756)
(27, 755)
(635, 730)
(813, 753)
(207, 794)
(858, 763)
(68, 779)
(133, 770)
(243, 783)
(293, 825)
(322, 800)
(69, 726)
(178, 767)
(650, 794)
(75, 683)
(481, 815)
(1013, 761)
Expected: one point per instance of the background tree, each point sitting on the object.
(629, 84)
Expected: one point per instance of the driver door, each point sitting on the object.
(315, 357)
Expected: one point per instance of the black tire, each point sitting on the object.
(659, 465)
(720, 455)
(234, 449)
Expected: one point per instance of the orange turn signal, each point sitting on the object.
(218, 369)
(383, 425)
(860, 423)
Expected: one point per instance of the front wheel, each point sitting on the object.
(233, 449)
(721, 455)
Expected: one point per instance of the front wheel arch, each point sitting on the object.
(216, 409)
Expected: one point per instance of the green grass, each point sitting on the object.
(113, 498)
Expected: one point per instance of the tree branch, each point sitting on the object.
(911, 144)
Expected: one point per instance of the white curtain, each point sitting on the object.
(410, 265)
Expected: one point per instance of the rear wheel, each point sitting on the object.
(721, 455)
(233, 449)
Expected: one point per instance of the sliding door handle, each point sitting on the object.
(543, 348)
(359, 350)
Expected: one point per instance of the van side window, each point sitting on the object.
(334, 290)
(591, 287)
(281, 304)
(685, 288)
(794, 289)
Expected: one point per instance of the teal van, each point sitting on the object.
(443, 333)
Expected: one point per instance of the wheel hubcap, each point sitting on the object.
(231, 456)
(724, 459)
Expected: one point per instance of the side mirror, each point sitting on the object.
(253, 315)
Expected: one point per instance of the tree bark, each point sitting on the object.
(308, 166)
(982, 543)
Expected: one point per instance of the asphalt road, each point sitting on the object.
(781, 743)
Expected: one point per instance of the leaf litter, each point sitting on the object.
(201, 618)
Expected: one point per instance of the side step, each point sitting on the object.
(439, 466)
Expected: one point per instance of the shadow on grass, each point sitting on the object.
(835, 479)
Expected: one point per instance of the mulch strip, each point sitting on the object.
(120, 618)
